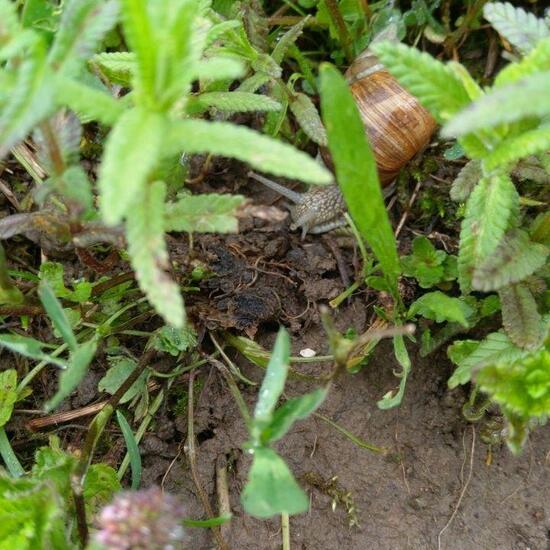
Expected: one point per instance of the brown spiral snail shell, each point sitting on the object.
(397, 126)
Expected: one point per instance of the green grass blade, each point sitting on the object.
(8, 456)
(133, 450)
(356, 171)
(57, 315)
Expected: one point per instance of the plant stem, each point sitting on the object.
(343, 34)
(285, 528)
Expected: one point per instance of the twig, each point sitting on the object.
(343, 34)
(224, 505)
(408, 209)
(462, 492)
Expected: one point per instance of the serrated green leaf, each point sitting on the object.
(526, 98)
(261, 152)
(29, 347)
(77, 368)
(536, 61)
(520, 316)
(512, 149)
(118, 67)
(220, 68)
(30, 100)
(149, 255)
(100, 485)
(292, 410)
(515, 258)
(466, 180)
(488, 213)
(237, 102)
(274, 379)
(173, 341)
(440, 307)
(83, 25)
(435, 85)
(271, 489)
(496, 347)
(8, 394)
(287, 40)
(208, 213)
(140, 36)
(521, 387)
(57, 315)
(131, 152)
(308, 118)
(356, 171)
(32, 515)
(87, 102)
(521, 28)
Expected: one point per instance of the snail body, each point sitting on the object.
(397, 126)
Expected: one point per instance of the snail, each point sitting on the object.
(397, 126)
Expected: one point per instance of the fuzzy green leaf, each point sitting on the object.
(261, 152)
(70, 378)
(496, 347)
(435, 85)
(140, 36)
(308, 118)
(520, 317)
(149, 255)
(29, 347)
(512, 149)
(514, 259)
(8, 394)
(89, 103)
(287, 40)
(536, 61)
(131, 152)
(466, 180)
(271, 489)
(521, 28)
(440, 307)
(237, 102)
(83, 25)
(220, 68)
(526, 98)
(488, 212)
(30, 100)
(356, 171)
(521, 387)
(209, 213)
(118, 67)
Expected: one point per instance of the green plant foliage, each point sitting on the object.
(393, 399)
(308, 118)
(207, 213)
(71, 377)
(29, 347)
(428, 265)
(519, 27)
(435, 84)
(440, 307)
(271, 489)
(119, 370)
(514, 259)
(52, 274)
(356, 171)
(465, 182)
(8, 394)
(237, 101)
(520, 316)
(487, 217)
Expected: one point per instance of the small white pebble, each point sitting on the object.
(308, 352)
